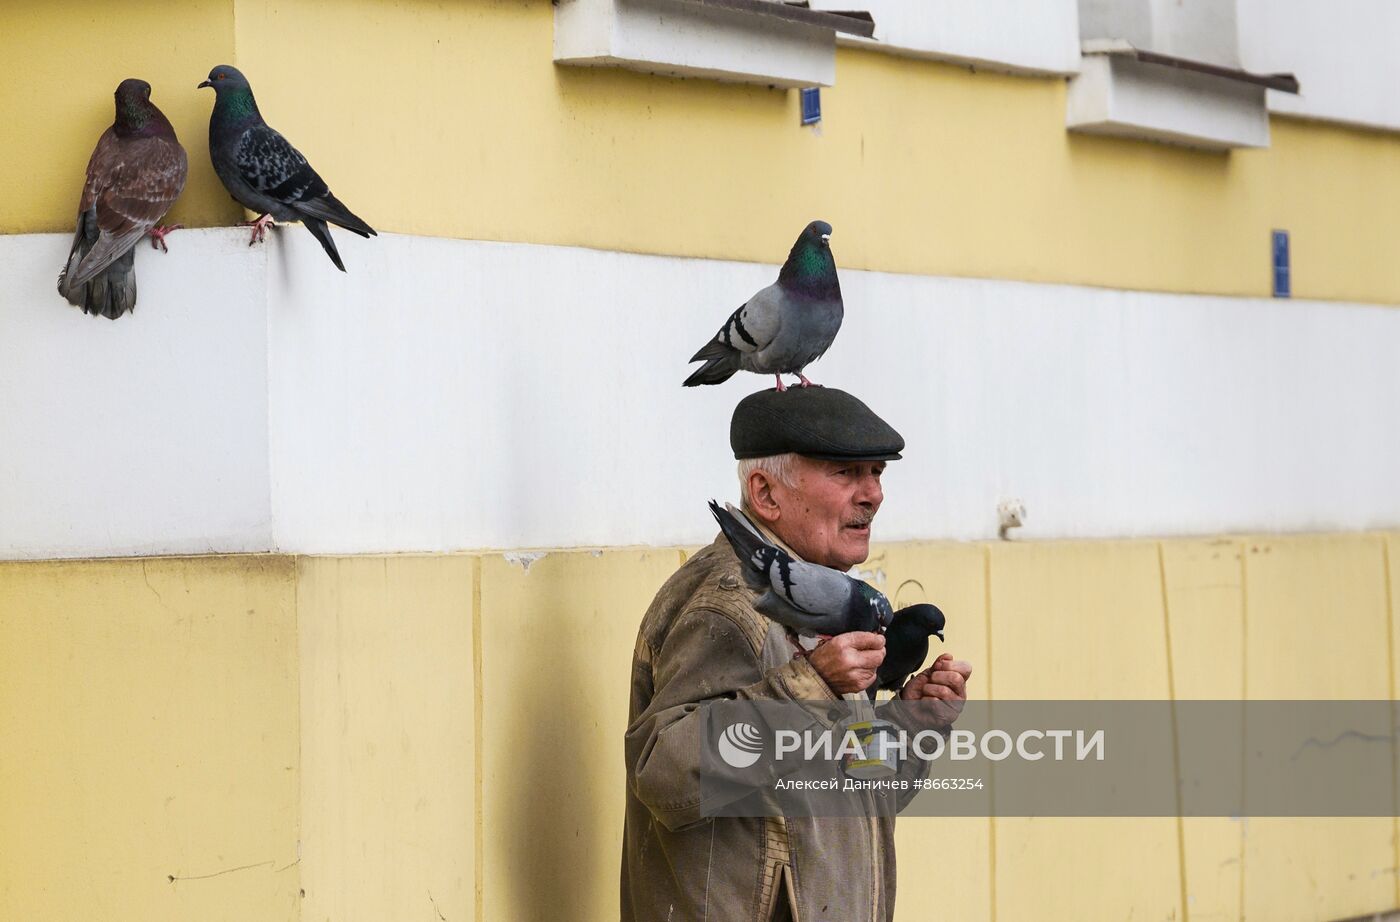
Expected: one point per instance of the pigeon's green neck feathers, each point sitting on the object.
(136, 117)
(236, 104)
(810, 268)
(133, 115)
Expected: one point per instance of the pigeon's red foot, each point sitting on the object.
(805, 383)
(158, 233)
(259, 228)
(781, 386)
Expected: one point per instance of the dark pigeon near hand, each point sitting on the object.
(266, 174)
(807, 597)
(787, 325)
(906, 645)
(135, 174)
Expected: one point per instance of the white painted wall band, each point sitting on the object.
(449, 395)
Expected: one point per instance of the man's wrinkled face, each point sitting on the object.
(825, 516)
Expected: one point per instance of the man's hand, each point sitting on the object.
(943, 686)
(847, 662)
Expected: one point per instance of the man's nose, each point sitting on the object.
(869, 491)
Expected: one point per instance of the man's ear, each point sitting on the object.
(761, 500)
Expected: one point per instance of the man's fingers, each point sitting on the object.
(871, 659)
(864, 659)
(863, 640)
(941, 692)
(848, 662)
(953, 680)
(946, 663)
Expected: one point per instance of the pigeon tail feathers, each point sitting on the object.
(111, 292)
(331, 209)
(721, 362)
(749, 546)
(323, 234)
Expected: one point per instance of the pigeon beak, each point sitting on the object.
(826, 238)
(203, 85)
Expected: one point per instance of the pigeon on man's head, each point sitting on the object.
(787, 325)
(906, 645)
(807, 597)
(266, 174)
(135, 174)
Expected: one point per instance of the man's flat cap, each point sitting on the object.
(818, 422)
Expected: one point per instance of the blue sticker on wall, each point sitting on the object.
(1283, 284)
(811, 105)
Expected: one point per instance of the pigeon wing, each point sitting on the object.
(776, 606)
(273, 167)
(819, 591)
(754, 326)
(130, 184)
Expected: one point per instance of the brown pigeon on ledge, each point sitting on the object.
(135, 174)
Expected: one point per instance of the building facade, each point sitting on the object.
(318, 591)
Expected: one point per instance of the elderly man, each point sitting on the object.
(810, 461)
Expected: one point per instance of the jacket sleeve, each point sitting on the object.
(912, 769)
(707, 655)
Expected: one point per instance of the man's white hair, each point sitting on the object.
(782, 468)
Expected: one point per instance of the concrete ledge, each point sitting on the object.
(1032, 39)
(688, 39)
(1117, 95)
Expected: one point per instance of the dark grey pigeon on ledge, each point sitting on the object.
(266, 174)
(807, 597)
(787, 325)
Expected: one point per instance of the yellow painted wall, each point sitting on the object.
(451, 119)
(441, 734)
(60, 63)
(936, 880)
(1203, 593)
(556, 654)
(149, 729)
(1081, 621)
(1317, 625)
(388, 715)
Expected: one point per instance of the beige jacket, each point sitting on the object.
(701, 639)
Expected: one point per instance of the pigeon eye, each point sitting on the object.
(218, 76)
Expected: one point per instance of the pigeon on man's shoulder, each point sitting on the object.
(807, 597)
